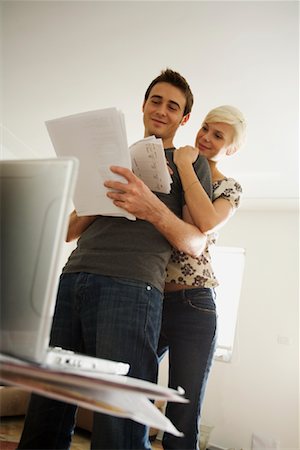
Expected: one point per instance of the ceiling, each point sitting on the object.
(64, 57)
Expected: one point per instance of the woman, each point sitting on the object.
(189, 313)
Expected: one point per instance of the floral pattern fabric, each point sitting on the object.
(198, 272)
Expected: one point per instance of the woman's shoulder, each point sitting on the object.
(227, 183)
(228, 188)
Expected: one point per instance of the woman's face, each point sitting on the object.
(214, 140)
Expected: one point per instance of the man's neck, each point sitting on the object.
(168, 144)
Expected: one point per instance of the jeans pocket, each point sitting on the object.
(132, 283)
(201, 299)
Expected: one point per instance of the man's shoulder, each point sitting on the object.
(202, 163)
(202, 169)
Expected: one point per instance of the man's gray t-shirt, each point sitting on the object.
(122, 248)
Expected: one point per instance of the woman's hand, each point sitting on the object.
(185, 155)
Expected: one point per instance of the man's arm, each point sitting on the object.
(135, 197)
(78, 225)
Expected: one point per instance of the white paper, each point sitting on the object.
(139, 408)
(98, 140)
(149, 163)
(116, 395)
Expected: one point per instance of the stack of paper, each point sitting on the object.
(98, 139)
(116, 395)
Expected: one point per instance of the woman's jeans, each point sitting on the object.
(189, 333)
(110, 318)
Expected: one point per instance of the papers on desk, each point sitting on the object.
(116, 395)
(98, 139)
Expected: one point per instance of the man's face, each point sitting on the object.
(163, 112)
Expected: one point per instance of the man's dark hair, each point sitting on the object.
(177, 80)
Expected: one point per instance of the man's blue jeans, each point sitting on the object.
(189, 333)
(110, 318)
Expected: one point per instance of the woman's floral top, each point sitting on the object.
(198, 272)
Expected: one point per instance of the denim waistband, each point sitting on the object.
(183, 293)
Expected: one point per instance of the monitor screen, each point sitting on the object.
(35, 200)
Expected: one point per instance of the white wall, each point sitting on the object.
(258, 391)
(63, 57)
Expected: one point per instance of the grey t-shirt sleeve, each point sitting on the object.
(202, 170)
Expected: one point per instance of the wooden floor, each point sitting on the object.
(11, 428)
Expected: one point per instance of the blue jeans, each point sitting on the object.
(188, 331)
(110, 318)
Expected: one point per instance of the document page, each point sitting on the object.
(149, 163)
(98, 139)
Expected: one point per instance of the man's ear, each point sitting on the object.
(231, 150)
(185, 119)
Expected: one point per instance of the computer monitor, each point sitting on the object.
(35, 201)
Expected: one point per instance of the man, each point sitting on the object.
(109, 299)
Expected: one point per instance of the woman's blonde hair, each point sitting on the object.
(232, 116)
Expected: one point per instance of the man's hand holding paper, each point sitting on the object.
(134, 196)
